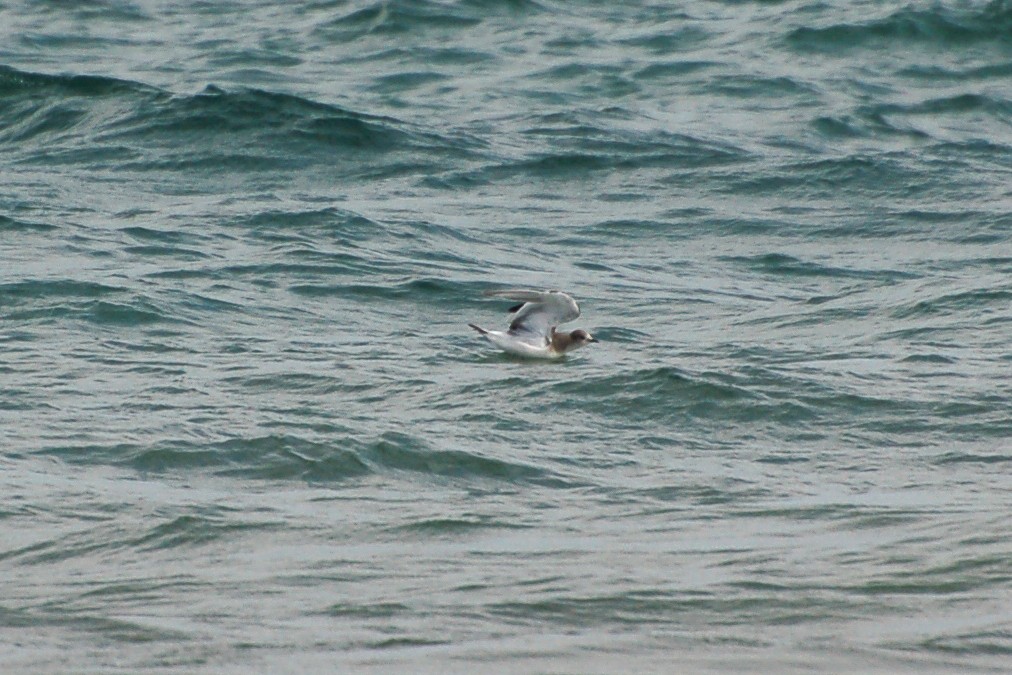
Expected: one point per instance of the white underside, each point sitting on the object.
(513, 345)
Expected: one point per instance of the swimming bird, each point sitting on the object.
(532, 332)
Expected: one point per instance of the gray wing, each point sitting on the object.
(540, 312)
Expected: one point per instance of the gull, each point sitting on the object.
(532, 331)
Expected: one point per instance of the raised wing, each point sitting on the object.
(540, 312)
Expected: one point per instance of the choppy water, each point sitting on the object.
(244, 424)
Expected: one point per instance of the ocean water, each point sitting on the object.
(245, 428)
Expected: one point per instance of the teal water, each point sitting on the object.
(243, 423)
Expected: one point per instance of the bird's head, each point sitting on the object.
(580, 337)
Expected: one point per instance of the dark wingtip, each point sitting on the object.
(516, 308)
(478, 328)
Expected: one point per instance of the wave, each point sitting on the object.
(122, 125)
(787, 265)
(451, 527)
(68, 299)
(873, 173)
(571, 146)
(935, 27)
(401, 452)
(17, 292)
(960, 103)
(288, 457)
(9, 224)
(755, 86)
(421, 290)
(16, 83)
(935, 72)
(669, 396)
(606, 133)
(981, 457)
(734, 605)
(100, 304)
(980, 303)
(205, 526)
(753, 400)
(905, 120)
(392, 18)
